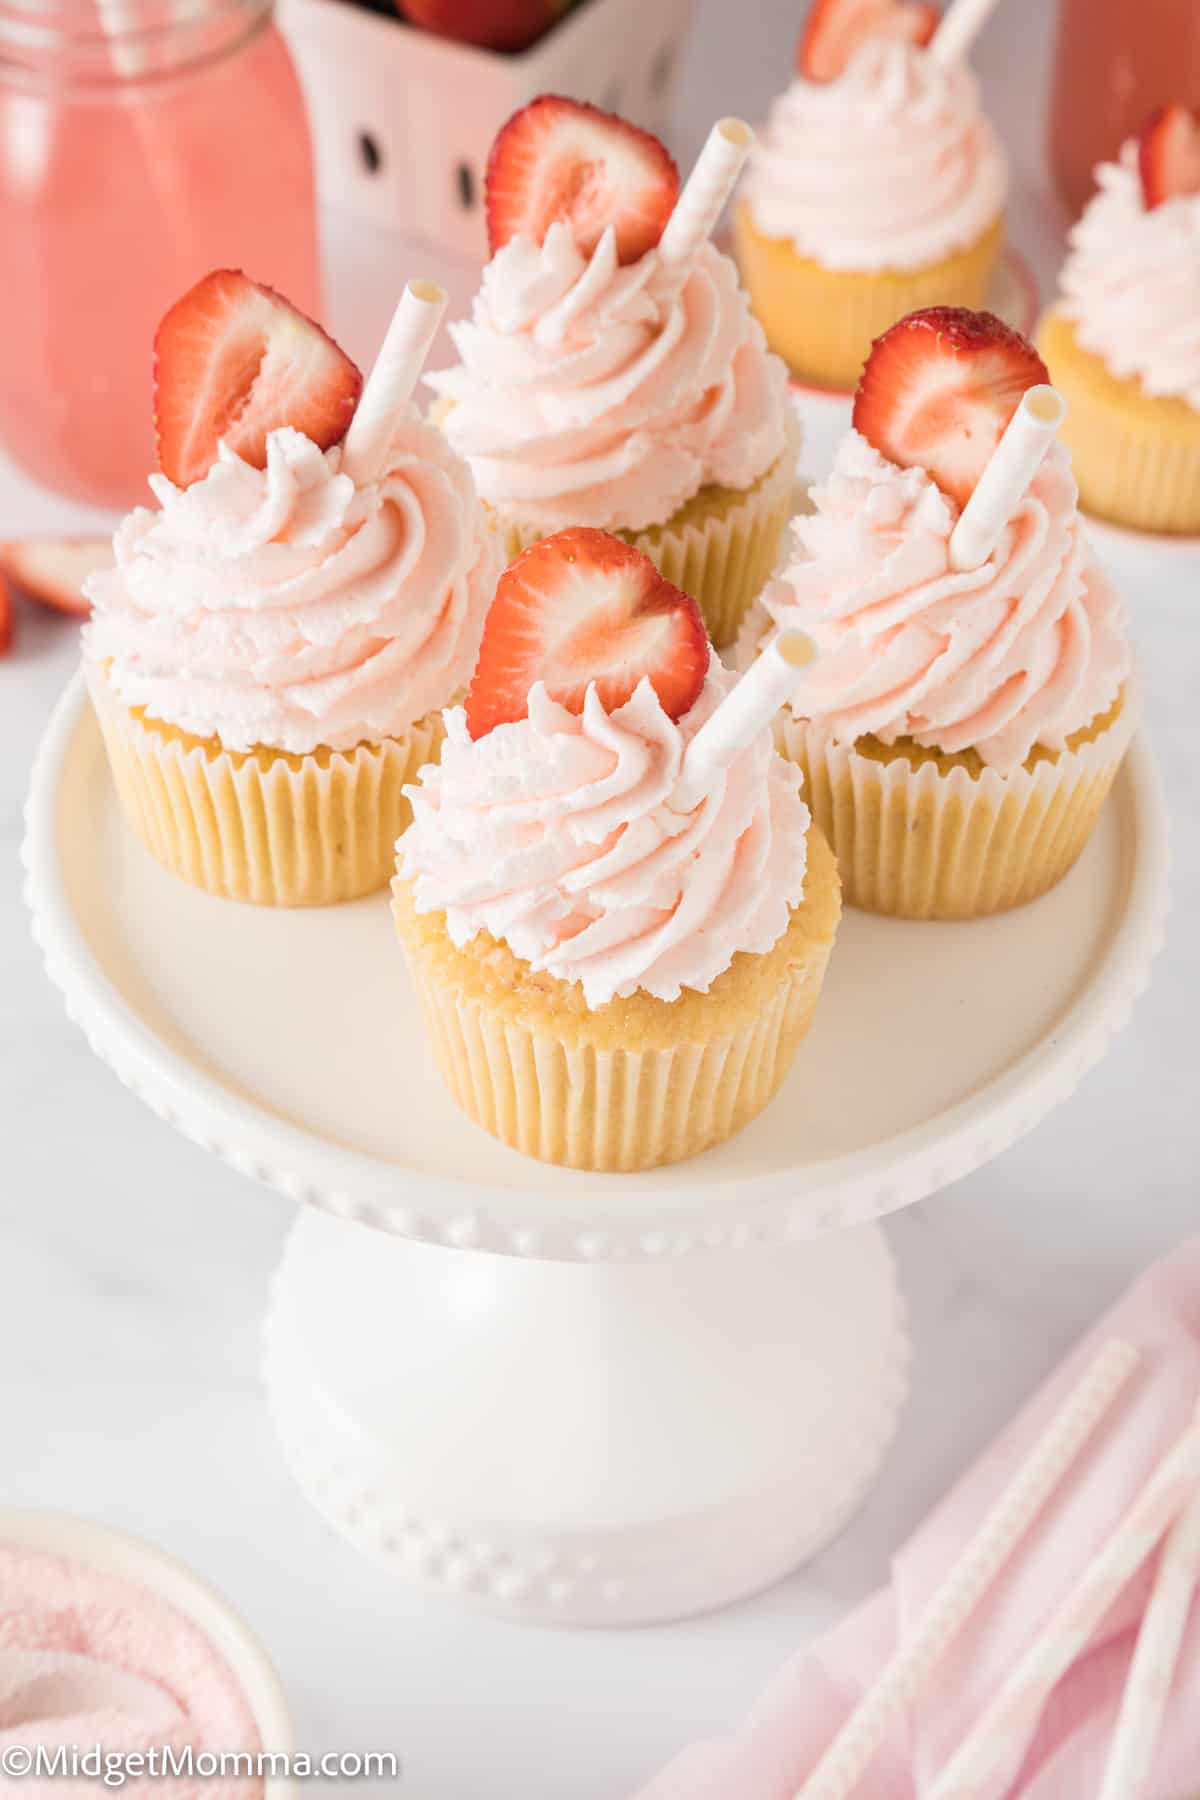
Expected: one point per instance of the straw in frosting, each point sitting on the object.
(748, 706)
(392, 380)
(972, 1575)
(1154, 1660)
(986, 1751)
(1013, 465)
(960, 26)
(703, 199)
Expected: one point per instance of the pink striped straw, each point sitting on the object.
(986, 1752)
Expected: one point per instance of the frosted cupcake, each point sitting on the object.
(611, 374)
(269, 658)
(614, 906)
(1123, 342)
(877, 187)
(969, 711)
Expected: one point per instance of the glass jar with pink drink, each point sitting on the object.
(142, 143)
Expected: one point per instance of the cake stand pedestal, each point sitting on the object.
(575, 1398)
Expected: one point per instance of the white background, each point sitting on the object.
(133, 1269)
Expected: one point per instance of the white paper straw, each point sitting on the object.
(986, 1753)
(972, 1575)
(1014, 463)
(750, 704)
(392, 380)
(1153, 1668)
(703, 199)
(960, 26)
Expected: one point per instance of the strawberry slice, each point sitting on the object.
(52, 571)
(835, 29)
(6, 618)
(234, 361)
(938, 389)
(581, 607)
(1169, 155)
(562, 159)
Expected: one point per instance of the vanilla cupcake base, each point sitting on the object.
(824, 321)
(720, 547)
(920, 835)
(262, 825)
(1136, 455)
(635, 1083)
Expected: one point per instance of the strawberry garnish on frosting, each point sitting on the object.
(6, 618)
(1169, 156)
(234, 361)
(938, 389)
(560, 159)
(52, 571)
(836, 29)
(584, 608)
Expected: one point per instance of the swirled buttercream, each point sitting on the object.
(588, 394)
(1131, 282)
(290, 608)
(557, 834)
(890, 166)
(1026, 649)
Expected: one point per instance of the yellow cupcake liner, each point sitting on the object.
(919, 835)
(1136, 455)
(720, 547)
(824, 321)
(262, 825)
(631, 1085)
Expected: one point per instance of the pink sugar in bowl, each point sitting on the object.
(110, 1646)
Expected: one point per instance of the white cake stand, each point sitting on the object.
(586, 1399)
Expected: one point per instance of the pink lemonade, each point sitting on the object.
(116, 195)
(1117, 62)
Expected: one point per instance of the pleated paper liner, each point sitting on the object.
(918, 836)
(824, 321)
(633, 1084)
(263, 826)
(720, 547)
(1136, 455)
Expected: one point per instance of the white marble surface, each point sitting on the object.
(133, 1269)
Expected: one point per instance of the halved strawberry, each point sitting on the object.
(581, 607)
(562, 159)
(52, 571)
(938, 389)
(1169, 155)
(234, 360)
(835, 29)
(6, 618)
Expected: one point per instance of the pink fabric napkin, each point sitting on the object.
(1059, 1755)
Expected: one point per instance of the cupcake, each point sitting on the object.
(968, 714)
(877, 187)
(269, 658)
(1123, 341)
(604, 381)
(617, 921)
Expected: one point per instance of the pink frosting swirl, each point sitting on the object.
(1131, 282)
(587, 397)
(890, 166)
(558, 835)
(1026, 649)
(287, 607)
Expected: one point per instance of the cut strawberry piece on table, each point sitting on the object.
(837, 28)
(1169, 156)
(938, 389)
(6, 618)
(234, 361)
(562, 159)
(585, 607)
(52, 571)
